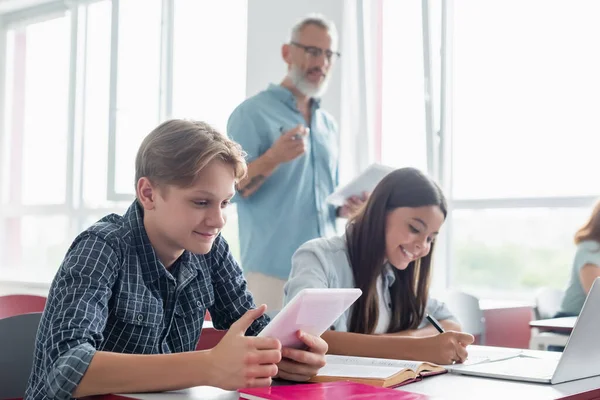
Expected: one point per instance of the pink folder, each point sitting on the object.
(329, 390)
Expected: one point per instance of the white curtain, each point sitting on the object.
(358, 91)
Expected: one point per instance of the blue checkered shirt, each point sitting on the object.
(111, 293)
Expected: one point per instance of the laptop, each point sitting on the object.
(580, 359)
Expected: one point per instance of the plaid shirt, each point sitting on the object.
(112, 293)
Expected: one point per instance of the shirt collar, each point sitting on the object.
(286, 96)
(388, 275)
(152, 267)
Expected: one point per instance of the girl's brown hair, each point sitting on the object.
(365, 237)
(591, 229)
(177, 150)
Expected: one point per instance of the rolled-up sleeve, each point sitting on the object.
(75, 316)
(241, 128)
(439, 310)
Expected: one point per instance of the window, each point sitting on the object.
(517, 156)
(138, 84)
(190, 65)
(95, 115)
(204, 70)
(403, 96)
(38, 101)
(69, 92)
(525, 100)
(35, 139)
(514, 249)
(523, 146)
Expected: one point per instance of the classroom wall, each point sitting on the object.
(269, 26)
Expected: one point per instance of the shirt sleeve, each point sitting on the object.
(75, 315)
(308, 271)
(232, 298)
(439, 310)
(242, 129)
(588, 252)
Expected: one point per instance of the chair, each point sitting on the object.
(547, 304)
(210, 336)
(17, 341)
(16, 304)
(470, 316)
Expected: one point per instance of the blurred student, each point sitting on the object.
(126, 307)
(586, 266)
(386, 252)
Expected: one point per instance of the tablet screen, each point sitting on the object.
(312, 311)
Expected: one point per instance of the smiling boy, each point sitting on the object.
(125, 310)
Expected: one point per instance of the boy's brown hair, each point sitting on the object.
(177, 150)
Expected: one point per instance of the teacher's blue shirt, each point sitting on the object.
(289, 208)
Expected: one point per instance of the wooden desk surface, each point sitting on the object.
(447, 386)
(564, 324)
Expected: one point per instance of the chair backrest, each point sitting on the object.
(547, 302)
(16, 304)
(466, 308)
(17, 341)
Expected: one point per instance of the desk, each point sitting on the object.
(447, 386)
(562, 325)
(451, 386)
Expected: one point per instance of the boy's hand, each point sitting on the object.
(240, 361)
(301, 365)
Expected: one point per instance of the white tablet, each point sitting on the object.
(312, 311)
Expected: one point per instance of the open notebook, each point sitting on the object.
(375, 371)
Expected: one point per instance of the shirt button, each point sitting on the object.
(198, 303)
(140, 317)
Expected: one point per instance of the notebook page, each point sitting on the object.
(479, 355)
(357, 371)
(365, 367)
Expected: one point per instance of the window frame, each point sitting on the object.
(444, 172)
(439, 139)
(75, 208)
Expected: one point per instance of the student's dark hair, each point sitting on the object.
(591, 229)
(365, 237)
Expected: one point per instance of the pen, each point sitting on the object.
(295, 137)
(435, 323)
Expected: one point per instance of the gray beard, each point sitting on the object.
(306, 88)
